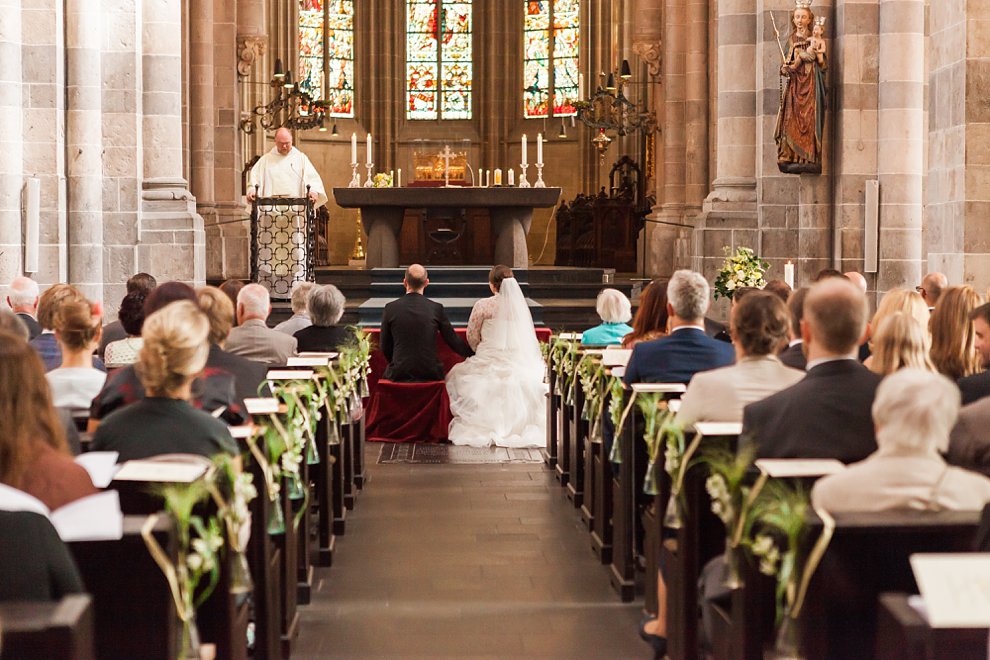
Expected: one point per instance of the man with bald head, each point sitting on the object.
(931, 287)
(409, 332)
(857, 279)
(827, 414)
(22, 296)
(252, 338)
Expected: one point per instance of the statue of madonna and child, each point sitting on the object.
(801, 119)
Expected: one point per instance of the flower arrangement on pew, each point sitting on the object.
(592, 377)
(741, 268)
(233, 491)
(562, 360)
(291, 443)
(735, 501)
(780, 526)
(200, 541)
(346, 384)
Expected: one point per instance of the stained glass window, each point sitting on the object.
(551, 43)
(326, 53)
(438, 59)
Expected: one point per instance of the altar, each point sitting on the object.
(509, 210)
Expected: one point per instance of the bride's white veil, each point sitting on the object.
(512, 325)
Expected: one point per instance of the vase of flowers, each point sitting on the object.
(740, 268)
(382, 180)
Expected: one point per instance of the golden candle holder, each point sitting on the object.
(357, 254)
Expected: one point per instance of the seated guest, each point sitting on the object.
(857, 279)
(737, 295)
(484, 309)
(76, 382)
(615, 312)
(826, 273)
(977, 386)
(827, 414)
(899, 300)
(899, 342)
(45, 343)
(141, 283)
(793, 356)
(906, 471)
(34, 456)
(687, 349)
(326, 306)
(650, 321)
(10, 322)
(130, 317)
(300, 317)
(215, 389)
(22, 296)
(759, 326)
(248, 375)
(779, 288)
(953, 337)
(232, 288)
(969, 443)
(252, 338)
(932, 286)
(174, 352)
(35, 564)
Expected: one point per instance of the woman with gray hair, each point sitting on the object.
(325, 305)
(914, 411)
(615, 312)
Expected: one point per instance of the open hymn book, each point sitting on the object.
(93, 518)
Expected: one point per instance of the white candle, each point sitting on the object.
(498, 176)
(488, 178)
(398, 183)
(354, 148)
(512, 177)
(391, 177)
(789, 274)
(525, 161)
(369, 162)
(539, 148)
(581, 85)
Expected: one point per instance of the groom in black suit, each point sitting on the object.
(409, 332)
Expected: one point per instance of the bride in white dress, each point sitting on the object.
(498, 397)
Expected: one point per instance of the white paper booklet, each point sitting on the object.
(718, 428)
(259, 406)
(955, 587)
(93, 518)
(101, 465)
(310, 361)
(160, 471)
(665, 388)
(616, 357)
(799, 467)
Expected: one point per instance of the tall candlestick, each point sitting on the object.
(498, 176)
(512, 177)
(789, 274)
(354, 147)
(525, 161)
(369, 161)
(539, 148)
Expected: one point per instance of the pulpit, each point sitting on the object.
(509, 215)
(283, 243)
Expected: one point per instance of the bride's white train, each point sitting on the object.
(497, 397)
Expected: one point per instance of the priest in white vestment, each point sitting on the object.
(283, 172)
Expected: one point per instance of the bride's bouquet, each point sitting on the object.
(743, 268)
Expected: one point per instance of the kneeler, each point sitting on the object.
(408, 412)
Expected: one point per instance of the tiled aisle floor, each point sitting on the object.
(465, 560)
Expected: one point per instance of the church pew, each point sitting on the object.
(628, 499)
(287, 544)
(904, 634)
(592, 452)
(700, 538)
(867, 556)
(563, 468)
(302, 520)
(553, 413)
(323, 490)
(43, 630)
(130, 593)
(577, 434)
(359, 439)
(601, 499)
(347, 446)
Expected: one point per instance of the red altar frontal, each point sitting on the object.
(412, 412)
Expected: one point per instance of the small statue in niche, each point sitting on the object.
(803, 97)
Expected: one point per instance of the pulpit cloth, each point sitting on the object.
(412, 412)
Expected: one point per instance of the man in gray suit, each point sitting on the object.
(252, 338)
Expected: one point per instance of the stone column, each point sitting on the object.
(201, 111)
(172, 243)
(84, 144)
(696, 152)
(11, 141)
(901, 141)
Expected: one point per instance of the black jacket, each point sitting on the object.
(34, 563)
(793, 356)
(825, 415)
(248, 374)
(409, 338)
(323, 339)
(974, 387)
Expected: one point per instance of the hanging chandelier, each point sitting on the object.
(292, 107)
(611, 112)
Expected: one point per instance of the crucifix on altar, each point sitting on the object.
(446, 154)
